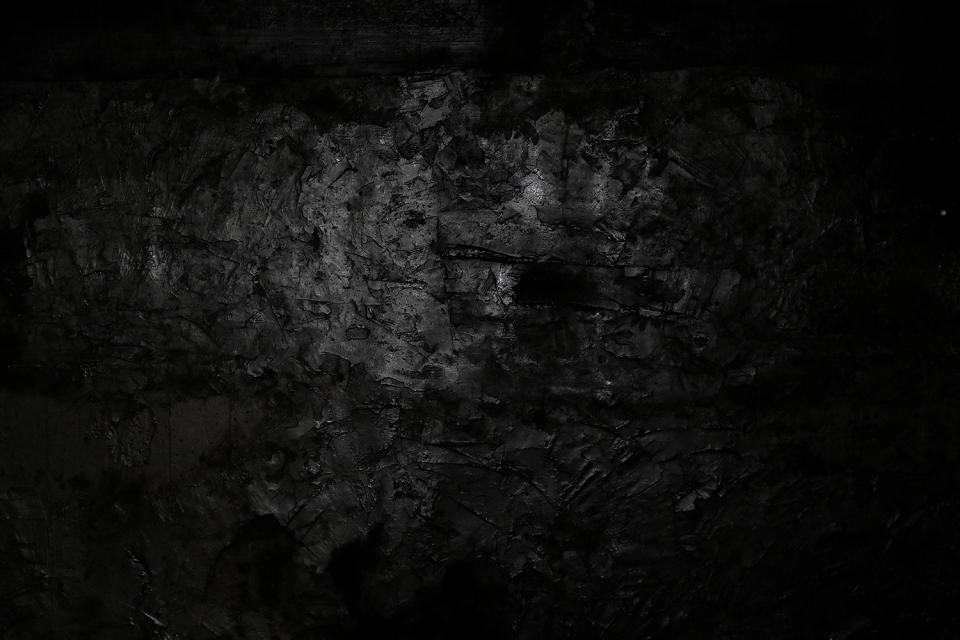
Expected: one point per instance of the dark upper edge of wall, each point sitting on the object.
(115, 41)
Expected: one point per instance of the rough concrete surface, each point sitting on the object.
(451, 345)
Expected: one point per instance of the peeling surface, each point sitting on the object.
(458, 353)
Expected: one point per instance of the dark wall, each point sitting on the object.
(476, 320)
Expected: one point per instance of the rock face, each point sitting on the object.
(469, 349)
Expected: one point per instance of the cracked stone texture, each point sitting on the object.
(623, 354)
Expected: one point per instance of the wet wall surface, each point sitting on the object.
(454, 320)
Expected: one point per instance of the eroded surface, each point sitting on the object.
(465, 355)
